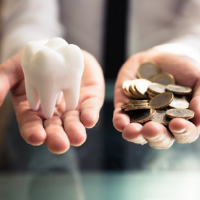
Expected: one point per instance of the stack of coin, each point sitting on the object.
(136, 89)
(154, 96)
(136, 105)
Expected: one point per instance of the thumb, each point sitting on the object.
(184, 69)
(10, 75)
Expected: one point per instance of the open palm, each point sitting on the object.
(186, 72)
(64, 128)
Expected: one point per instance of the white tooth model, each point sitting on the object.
(50, 69)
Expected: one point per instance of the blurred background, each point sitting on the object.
(105, 166)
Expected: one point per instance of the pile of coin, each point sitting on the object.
(156, 97)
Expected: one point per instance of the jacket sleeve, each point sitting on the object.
(25, 20)
(186, 33)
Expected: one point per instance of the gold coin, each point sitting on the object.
(160, 117)
(163, 78)
(135, 101)
(131, 105)
(140, 96)
(151, 93)
(138, 104)
(180, 113)
(133, 91)
(156, 88)
(151, 97)
(141, 116)
(138, 107)
(128, 89)
(125, 89)
(147, 70)
(134, 95)
(177, 89)
(124, 106)
(141, 86)
(161, 100)
(186, 97)
(135, 106)
(179, 103)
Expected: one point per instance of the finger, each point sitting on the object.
(90, 109)
(182, 67)
(74, 128)
(179, 66)
(92, 91)
(195, 104)
(183, 130)
(127, 72)
(10, 74)
(30, 124)
(57, 140)
(131, 133)
(157, 135)
(120, 120)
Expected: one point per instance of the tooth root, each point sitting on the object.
(32, 96)
(71, 98)
(48, 102)
(59, 98)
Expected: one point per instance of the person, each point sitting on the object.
(174, 24)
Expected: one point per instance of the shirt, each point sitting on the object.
(150, 23)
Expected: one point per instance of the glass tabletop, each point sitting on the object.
(143, 185)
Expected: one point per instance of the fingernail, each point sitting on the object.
(140, 140)
(180, 131)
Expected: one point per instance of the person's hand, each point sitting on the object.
(187, 73)
(65, 128)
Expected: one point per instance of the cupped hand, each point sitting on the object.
(64, 128)
(187, 73)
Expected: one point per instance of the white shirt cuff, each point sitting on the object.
(179, 49)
